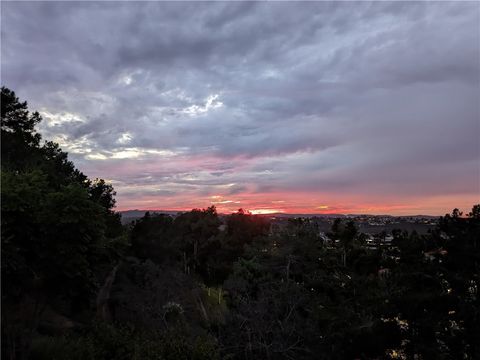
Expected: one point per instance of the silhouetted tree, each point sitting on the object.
(55, 224)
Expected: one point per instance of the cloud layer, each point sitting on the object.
(301, 107)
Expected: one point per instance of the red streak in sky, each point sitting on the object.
(300, 203)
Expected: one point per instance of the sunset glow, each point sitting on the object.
(246, 107)
(265, 211)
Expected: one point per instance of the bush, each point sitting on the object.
(62, 348)
(124, 342)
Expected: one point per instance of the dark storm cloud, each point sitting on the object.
(375, 97)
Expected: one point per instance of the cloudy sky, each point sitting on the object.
(297, 107)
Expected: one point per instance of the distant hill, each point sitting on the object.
(131, 215)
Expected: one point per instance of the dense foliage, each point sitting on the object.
(59, 232)
(76, 285)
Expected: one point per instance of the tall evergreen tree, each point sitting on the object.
(56, 226)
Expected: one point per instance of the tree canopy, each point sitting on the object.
(56, 224)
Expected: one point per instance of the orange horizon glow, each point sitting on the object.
(301, 203)
(265, 211)
(196, 187)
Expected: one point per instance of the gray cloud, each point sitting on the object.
(379, 98)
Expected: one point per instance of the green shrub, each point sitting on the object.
(62, 348)
(123, 342)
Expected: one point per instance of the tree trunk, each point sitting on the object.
(288, 268)
(195, 250)
(185, 262)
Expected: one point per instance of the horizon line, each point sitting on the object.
(281, 213)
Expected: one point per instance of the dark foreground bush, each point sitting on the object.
(123, 342)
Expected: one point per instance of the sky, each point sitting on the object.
(313, 107)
